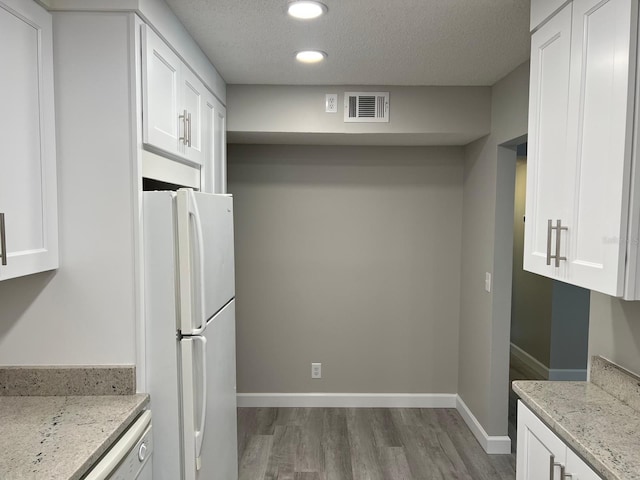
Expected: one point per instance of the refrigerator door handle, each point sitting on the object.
(195, 214)
(199, 435)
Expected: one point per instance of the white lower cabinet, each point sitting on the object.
(28, 190)
(578, 469)
(541, 455)
(580, 212)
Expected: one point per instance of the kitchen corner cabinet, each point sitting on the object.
(28, 191)
(541, 455)
(580, 216)
(173, 101)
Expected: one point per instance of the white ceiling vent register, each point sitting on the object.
(365, 107)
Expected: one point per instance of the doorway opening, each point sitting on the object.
(549, 318)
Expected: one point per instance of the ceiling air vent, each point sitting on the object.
(366, 107)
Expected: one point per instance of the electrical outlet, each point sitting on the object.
(487, 281)
(316, 370)
(331, 103)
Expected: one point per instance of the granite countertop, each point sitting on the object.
(60, 437)
(601, 428)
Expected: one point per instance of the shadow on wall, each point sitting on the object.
(631, 312)
(22, 292)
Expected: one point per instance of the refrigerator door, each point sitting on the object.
(161, 349)
(209, 400)
(205, 257)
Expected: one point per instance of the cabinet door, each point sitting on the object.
(543, 9)
(28, 192)
(215, 164)
(161, 125)
(220, 149)
(540, 452)
(578, 469)
(548, 196)
(599, 138)
(193, 94)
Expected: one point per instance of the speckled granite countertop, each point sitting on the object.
(599, 427)
(60, 437)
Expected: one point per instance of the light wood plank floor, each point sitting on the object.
(362, 444)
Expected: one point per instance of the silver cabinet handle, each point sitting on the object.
(559, 228)
(549, 228)
(562, 474)
(183, 117)
(3, 240)
(189, 122)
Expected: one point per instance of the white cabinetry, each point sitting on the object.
(547, 165)
(578, 469)
(160, 77)
(193, 94)
(580, 137)
(543, 9)
(172, 101)
(214, 175)
(28, 191)
(541, 455)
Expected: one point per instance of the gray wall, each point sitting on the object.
(532, 294)
(84, 312)
(614, 330)
(569, 328)
(487, 232)
(296, 114)
(349, 256)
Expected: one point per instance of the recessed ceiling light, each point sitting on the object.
(306, 9)
(310, 56)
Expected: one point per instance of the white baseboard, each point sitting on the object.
(348, 400)
(557, 374)
(530, 361)
(566, 374)
(492, 444)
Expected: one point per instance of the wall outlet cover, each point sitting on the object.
(316, 370)
(487, 282)
(331, 103)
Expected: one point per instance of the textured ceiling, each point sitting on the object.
(369, 42)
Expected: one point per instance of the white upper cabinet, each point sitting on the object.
(193, 94)
(215, 147)
(28, 190)
(172, 101)
(599, 138)
(547, 165)
(581, 134)
(160, 77)
(543, 9)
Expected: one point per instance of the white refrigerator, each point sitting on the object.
(190, 334)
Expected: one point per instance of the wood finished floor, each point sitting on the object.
(517, 371)
(362, 444)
